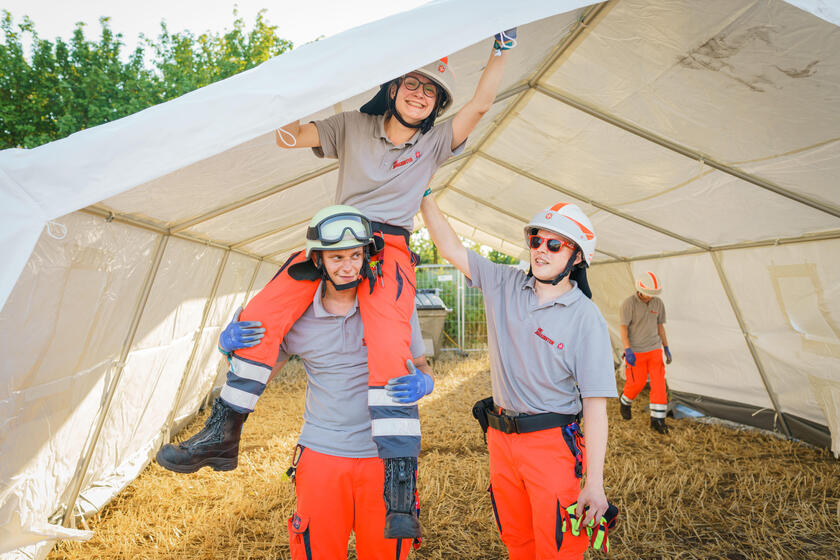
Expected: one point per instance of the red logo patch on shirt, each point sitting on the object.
(540, 334)
(401, 163)
(654, 312)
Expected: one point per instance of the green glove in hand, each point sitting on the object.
(572, 520)
(599, 534)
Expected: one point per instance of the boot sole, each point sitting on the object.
(215, 463)
(402, 528)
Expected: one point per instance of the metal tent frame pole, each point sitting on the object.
(167, 426)
(748, 339)
(87, 453)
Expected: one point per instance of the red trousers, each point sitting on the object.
(531, 475)
(648, 364)
(336, 495)
(386, 313)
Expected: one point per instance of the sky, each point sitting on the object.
(299, 21)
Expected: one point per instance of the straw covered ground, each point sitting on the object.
(703, 492)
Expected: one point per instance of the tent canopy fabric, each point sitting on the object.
(702, 139)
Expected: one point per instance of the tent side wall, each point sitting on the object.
(113, 314)
(755, 336)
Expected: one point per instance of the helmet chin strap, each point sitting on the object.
(566, 271)
(341, 287)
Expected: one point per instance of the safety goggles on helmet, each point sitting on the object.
(411, 83)
(553, 245)
(331, 230)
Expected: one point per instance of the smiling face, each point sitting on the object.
(343, 266)
(414, 105)
(546, 265)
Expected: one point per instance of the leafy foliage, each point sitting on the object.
(69, 86)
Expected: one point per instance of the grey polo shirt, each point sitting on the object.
(642, 321)
(336, 420)
(385, 182)
(541, 355)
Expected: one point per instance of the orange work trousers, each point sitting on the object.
(336, 495)
(531, 476)
(648, 365)
(386, 312)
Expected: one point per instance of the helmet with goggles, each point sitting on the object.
(338, 227)
(438, 72)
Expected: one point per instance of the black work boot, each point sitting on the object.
(658, 425)
(625, 411)
(216, 446)
(401, 520)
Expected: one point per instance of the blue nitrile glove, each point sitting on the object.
(667, 355)
(412, 387)
(504, 41)
(630, 356)
(240, 334)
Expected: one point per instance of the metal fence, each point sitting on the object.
(465, 328)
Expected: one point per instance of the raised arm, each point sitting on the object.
(485, 93)
(296, 135)
(444, 236)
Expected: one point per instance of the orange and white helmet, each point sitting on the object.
(569, 221)
(648, 284)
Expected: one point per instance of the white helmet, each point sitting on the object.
(569, 221)
(648, 284)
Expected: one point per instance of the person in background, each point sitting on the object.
(643, 332)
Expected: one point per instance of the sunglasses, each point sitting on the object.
(553, 245)
(411, 83)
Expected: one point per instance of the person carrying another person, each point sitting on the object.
(338, 476)
(550, 359)
(642, 332)
(387, 153)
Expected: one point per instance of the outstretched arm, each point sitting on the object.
(296, 135)
(485, 93)
(444, 236)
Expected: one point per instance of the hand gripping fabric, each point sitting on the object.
(504, 41)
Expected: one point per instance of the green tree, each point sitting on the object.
(65, 87)
(184, 62)
(421, 243)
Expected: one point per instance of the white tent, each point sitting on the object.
(702, 137)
